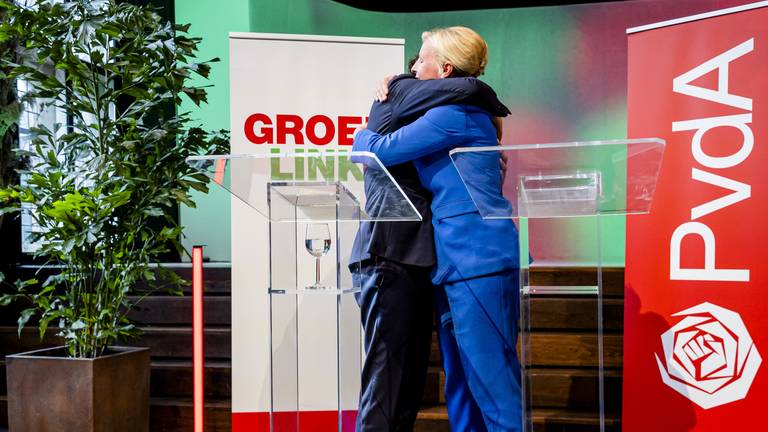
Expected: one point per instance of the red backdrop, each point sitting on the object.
(703, 87)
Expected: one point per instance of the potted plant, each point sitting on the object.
(96, 188)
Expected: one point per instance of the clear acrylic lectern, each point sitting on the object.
(578, 179)
(313, 219)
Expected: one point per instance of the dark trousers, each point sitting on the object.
(396, 304)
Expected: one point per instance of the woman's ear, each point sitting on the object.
(446, 71)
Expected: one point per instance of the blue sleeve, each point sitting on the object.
(419, 96)
(434, 131)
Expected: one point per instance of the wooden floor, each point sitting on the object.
(563, 373)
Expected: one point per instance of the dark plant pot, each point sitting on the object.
(49, 392)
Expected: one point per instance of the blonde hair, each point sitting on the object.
(460, 46)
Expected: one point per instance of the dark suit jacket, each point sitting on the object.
(408, 99)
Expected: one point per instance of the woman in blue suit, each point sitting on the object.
(477, 260)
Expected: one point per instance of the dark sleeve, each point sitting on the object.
(484, 97)
(413, 98)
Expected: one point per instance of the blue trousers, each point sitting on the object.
(477, 329)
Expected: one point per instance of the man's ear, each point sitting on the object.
(447, 70)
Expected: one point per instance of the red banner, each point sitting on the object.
(696, 311)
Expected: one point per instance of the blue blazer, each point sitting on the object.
(466, 245)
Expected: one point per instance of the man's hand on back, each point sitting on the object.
(383, 90)
(503, 166)
(503, 156)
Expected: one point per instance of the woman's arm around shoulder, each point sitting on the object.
(440, 128)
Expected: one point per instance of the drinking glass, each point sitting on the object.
(318, 243)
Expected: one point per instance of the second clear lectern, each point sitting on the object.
(587, 181)
(314, 204)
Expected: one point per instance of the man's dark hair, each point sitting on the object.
(412, 62)
(458, 73)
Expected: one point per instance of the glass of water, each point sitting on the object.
(318, 243)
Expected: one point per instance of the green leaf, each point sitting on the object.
(6, 299)
(46, 290)
(22, 284)
(154, 211)
(24, 317)
(53, 280)
(9, 209)
(43, 325)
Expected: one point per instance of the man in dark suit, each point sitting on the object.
(393, 262)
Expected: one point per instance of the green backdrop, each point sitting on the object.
(560, 70)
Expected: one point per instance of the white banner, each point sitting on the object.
(289, 93)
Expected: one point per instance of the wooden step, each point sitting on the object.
(551, 388)
(563, 349)
(435, 419)
(613, 278)
(176, 415)
(560, 349)
(173, 378)
(568, 388)
(547, 313)
(432, 419)
(10, 343)
(217, 278)
(576, 388)
(575, 350)
(153, 310)
(568, 420)
(176, 310)
(176, 342)
(575, 313)
(170, 414)
(433, 386)
(167, 342)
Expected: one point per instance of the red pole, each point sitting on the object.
(197, 336)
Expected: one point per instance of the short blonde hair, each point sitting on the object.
(460, 46)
